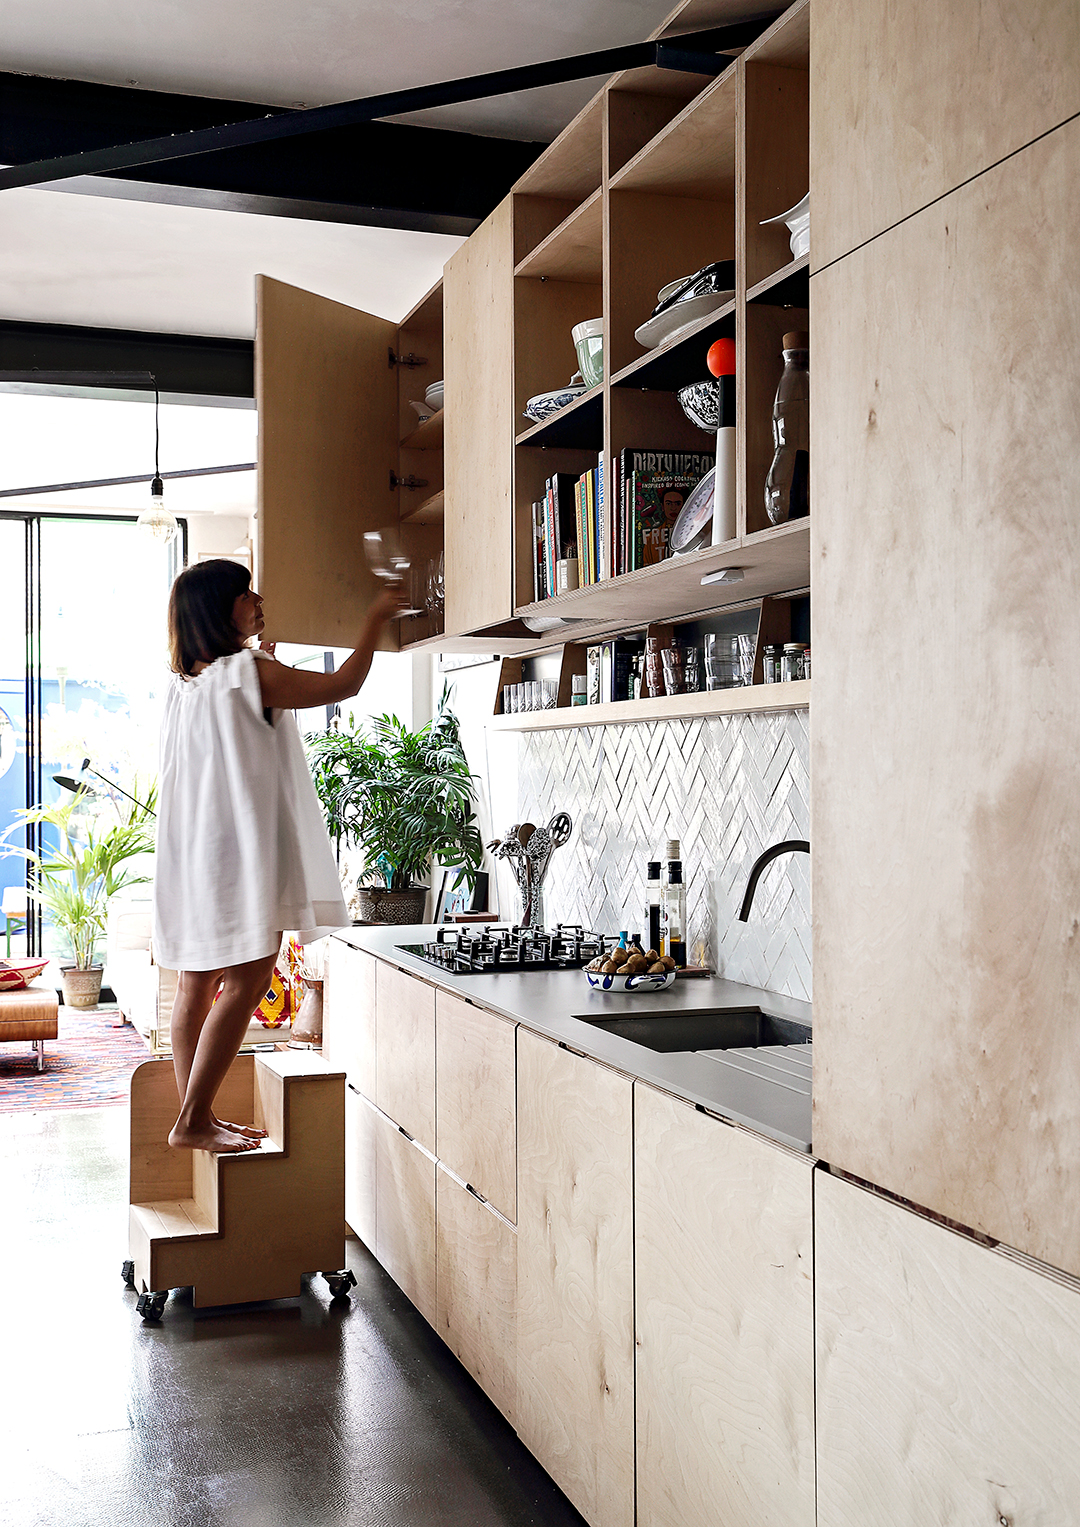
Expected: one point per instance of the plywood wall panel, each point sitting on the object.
(946, 580)
(946, 1374)
(910, 98)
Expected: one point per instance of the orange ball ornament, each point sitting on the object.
(721, 357)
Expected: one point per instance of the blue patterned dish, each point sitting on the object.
(644, 982)
(547, 403)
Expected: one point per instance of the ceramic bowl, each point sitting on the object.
(798, 220)
(700, 402)
(618, 983)
(17, 974)
(588, 340)
(424, 411)
(433, 397)
(547, 403)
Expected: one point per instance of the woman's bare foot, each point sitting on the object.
(249, 1131)
(212, 1137)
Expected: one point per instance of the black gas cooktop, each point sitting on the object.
(478, 949)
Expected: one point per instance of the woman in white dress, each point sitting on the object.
(242, 850)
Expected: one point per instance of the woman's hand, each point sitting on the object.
(390, 602)
(270, 647)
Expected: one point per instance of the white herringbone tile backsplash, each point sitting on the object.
(725, 786)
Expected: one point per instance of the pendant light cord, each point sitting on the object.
(157, 487)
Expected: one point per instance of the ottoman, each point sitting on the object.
(29, 1014)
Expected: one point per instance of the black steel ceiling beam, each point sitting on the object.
(125, 482)
(378, 173)
(39, 354)
(294, 124)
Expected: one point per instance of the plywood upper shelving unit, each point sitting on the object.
(572, 251)
(717, 702)
(694, 155)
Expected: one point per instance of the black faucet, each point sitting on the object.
(792, 846)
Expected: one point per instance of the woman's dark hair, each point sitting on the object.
(201, 613)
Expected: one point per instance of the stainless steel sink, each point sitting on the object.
(722, 1028)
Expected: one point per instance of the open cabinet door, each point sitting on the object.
(328, 429)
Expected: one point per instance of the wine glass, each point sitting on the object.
(388, 559)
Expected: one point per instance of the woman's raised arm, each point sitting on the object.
(285, 688)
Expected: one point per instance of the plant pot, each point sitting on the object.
(82, 988)
(378, 906)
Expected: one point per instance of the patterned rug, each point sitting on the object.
(87, 1066)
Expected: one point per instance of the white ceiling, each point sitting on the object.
(284, 54)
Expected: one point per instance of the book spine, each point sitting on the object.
(579, 516)
(603, 537)
(590, 505)
(551, 534)
(539, 579)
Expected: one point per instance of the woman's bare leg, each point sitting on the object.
(195, 993)
(220, 1035)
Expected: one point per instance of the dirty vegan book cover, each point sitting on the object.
(654, 485)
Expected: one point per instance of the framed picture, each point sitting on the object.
(455, 897)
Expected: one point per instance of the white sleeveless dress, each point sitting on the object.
(242, 850)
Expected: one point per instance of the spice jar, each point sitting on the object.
(791, 661)
(771, 664)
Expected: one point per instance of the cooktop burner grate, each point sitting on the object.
(479, 950)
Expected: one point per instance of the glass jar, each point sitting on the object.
(771, 664)
(791, 662)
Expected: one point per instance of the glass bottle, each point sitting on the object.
(652, 903)
(787, 487)
(673, 917)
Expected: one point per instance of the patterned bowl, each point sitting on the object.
(700, 402)
(17, 974)
(644, 982)
(547, 403)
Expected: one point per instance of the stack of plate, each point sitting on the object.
(683, 303)
(433, 397)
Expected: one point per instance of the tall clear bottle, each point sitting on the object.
(787, 487)
(674, 914)
(652, 906)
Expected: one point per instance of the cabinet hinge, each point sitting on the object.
(409, 360)
(406, 482)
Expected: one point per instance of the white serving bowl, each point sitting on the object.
(669, 324)
(797, 219)
(627, 984)
(547, 403)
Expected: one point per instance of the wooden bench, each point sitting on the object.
(29, 1014)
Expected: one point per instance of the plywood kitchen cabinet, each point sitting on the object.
(336, 436)
(405, 1052)
(946, 1373)
(361, 1169)
(946, 862)
(476, 1261)
(405, 1214)
(895, 128)
(349, 1014)
(476, 1099)
(575, 1276)
(724, 1329)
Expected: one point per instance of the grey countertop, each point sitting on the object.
(767, 1090)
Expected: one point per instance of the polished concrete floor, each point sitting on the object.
(293, 1414)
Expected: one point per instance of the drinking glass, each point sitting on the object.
(720, 660)
(532, 695)
(519, 698)
(691, 670)
(549, 693)
(744, 659)
(674, 672)
(389, 560)
(508, 699)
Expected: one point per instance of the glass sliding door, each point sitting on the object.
(84, 664)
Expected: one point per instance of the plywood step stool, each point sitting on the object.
(239, 1227)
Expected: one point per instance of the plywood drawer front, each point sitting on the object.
(405, 1215)
(947, 1373)
(349, 1014)
(476, 1268)
(405, 1052)
(476, 1113)
(360, 1167)
(724, 1323)
(575, 1277)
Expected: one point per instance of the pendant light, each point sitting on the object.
(157, 520)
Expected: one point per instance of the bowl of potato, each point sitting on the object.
(630, 969)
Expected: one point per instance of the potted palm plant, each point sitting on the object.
(75, 881)
(402, 799)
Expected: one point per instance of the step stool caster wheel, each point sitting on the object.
(339, 1283)
(152, 1306)
(127, 1272)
